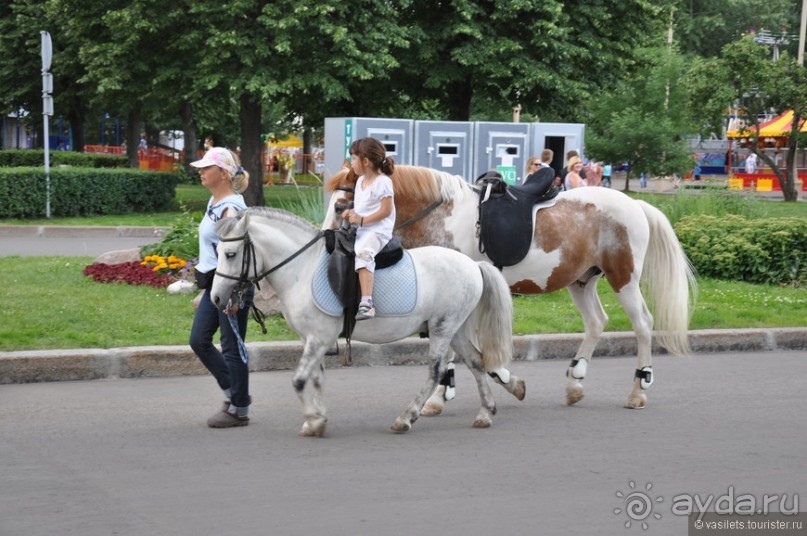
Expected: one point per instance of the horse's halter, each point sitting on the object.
(249, 260)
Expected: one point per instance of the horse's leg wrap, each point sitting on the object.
(577, 368)
(502, 375)
(645, 375)
(448, 382)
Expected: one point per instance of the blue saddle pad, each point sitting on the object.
(395, 290)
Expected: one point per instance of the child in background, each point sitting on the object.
(373, 212)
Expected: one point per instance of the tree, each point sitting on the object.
(643, 121)
(20, 66)
(704, 27)
(745, 74)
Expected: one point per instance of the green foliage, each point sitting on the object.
(715, 201)
(36, 157)
(83, 191)
(36, 306)
(182, 239)
(643, 120)
(772, 251)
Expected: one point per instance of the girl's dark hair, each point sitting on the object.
(374, 150)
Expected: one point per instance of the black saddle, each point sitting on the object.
(505, 214)
(342, 276)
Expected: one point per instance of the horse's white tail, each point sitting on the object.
(490, 325)
(669, 279)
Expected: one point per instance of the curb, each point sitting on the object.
(73, 231)
(169, 361)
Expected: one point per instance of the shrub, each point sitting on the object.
(182, 239)
(36, 158)
(84, 191)
(731, 247)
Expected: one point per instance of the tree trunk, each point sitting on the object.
(250, 118)
(791, 173)
(133, 120)
(190, 140)
(460, 104)
(308, 161)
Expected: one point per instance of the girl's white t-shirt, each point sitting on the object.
(368, 201)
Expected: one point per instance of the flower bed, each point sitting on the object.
(153, 270)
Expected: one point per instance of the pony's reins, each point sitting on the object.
(250, 258)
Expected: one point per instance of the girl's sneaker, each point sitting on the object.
(366, 310)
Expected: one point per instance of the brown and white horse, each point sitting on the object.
(589, 233)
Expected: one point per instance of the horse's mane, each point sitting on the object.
(417, 183)
(225, 225)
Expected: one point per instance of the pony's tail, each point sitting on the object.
(491, 323)
(670, 281)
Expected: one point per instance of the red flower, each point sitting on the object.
(132, 273)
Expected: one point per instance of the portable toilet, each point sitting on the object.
(503, 147)
(396, 135)
(446, 146)
(561, 138)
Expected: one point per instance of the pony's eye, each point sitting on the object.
(229, 255)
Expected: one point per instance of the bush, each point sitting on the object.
(36, 158)
(181, 240)
(84, 192)
(772, 251)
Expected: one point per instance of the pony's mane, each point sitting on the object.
(417, 183)
(225, 225)
(283, 216)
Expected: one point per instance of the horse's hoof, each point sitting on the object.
(520, 389)
(483, 423)
(636, 402)
(315, 430)
(574, 393)
(400, 427)
(431, 409)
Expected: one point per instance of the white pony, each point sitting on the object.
(588, 234)
(466, 306)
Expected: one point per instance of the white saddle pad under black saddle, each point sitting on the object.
(395, 291)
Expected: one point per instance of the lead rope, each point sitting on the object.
(242, 348)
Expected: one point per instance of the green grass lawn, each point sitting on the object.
(40, 314)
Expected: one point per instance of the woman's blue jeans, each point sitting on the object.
(226, 365)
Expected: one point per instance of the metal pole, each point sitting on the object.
(802, 31)
(47, 109)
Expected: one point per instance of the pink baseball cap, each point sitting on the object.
(218, 156)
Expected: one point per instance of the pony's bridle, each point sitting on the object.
(249, 260)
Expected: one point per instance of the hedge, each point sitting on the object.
(772, 251)
(36, 157)
(84, 192)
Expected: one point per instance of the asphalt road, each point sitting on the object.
(134, 457)
(29, 241)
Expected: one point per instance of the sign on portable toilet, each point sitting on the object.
(560, 137)
(396, 134)
(446, 146)
(503, 147)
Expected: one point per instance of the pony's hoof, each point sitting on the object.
(401, 427)
(574, 393)
(313, 430)
(483, 423)
(520, 389)
(636, 401)
(431, 409)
